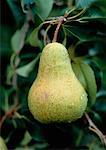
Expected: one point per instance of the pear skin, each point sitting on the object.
(56, 95)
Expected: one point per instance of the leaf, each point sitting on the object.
(57, 11)
(79, 74)
(16, 10)
(100, 61)
(4, 99)
(94, 18)
(100, 104)
(26, 69)
(34, 129)
(5, 36)
(33, 38)
(26, 139)
(86, 76)
(90, 82)
(26, 4)
(10, 73)
(92, 141)
(43, 8)
(84, 3)
(98, 74)
(18, 39)
(83, 34)
(97, 117)
(104, 78)
(94, 14)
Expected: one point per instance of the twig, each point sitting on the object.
(9, 114)
(94, 128)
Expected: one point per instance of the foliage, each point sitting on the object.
(26, 25)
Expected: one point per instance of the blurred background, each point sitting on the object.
(23, 34)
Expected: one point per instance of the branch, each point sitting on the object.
(94, 128)
(9, 114)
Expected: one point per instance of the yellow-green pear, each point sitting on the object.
(2, 144)
(56, 95)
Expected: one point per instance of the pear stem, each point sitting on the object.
(94, 128)
(57, 28)
(64, 18)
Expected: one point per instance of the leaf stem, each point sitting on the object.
(77, 15)
(46, 38)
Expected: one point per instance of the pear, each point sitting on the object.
(56, 95)
(2, 144)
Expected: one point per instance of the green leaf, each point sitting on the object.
(42, 146)
(83, 34)
(33, 38)
(57, 11)
(97, 117)
(84, 3)
(104, 78)
(5, 36)
(26, 4)
(26, 139)
(92, 141)
(100, 61)
(18, 39)
(3, 99)
(94, 14)
(100, 104)
(34, 129)
(26, 69)
(86, 76)
(43, 8)
(90, 82)
(93, 18)
(16, 10)
(79, 74)
(10, 73)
